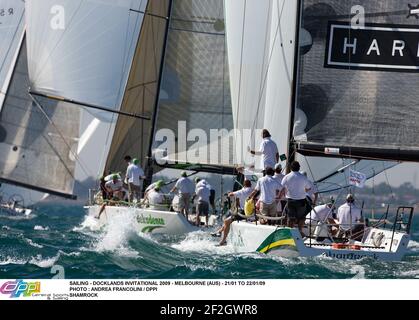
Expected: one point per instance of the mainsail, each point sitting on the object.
(36, 142)
(132, 136)
(12, 22)
(358, 81)
(262, 56)
(82, 50)
(261, 50)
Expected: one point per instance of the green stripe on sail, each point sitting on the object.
(280, 239)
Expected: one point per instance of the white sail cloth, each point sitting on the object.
(82, 49)
(12, 24)
(261, 49)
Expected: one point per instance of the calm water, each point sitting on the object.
(59, 235)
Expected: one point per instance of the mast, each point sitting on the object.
(150, 161)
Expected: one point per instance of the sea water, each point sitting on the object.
(63, 237)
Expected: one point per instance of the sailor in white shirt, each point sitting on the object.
(242, 194)
(115, 188)
(156, 199)
(269, 189)
(185, 188)
(296, 186)
(268, 150)
(312, 194)
(200, 182)
(349, 215)
(320, 214)
(135, 177)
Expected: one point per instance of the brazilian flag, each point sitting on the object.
(278, 240)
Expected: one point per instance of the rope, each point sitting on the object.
(241, 65)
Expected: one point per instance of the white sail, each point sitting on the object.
(280, 72)
(195, 96)
(261, 50)
(37, 138)
(132, 136)
(12, 24)
(82, 50)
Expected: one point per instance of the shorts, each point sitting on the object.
(184, 199)
(296, 209)
(268, 210)
(134, 189)
(309, 205)
(236, 217)
(202, 208)
(212, 197)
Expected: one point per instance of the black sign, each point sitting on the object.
(373, 47)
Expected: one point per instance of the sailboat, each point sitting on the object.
(203, 74)
(104, 58)
(341, 102)
(192, 30)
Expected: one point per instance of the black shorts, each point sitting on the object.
(212, 197)
(309, 205)
(236, 217)
(297, 209)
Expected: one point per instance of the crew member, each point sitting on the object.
(296, 187)
(268, 150)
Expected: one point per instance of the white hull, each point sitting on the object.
(248, 237)
(146, 220)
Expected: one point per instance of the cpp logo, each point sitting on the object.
(20, 288)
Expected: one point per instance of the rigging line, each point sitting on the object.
(198, 32)
(149, 14)
(75, 155)
(126, 50)
(11, 44)
(393, 195)
(270, 60)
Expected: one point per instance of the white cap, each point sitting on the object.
(278, 166)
